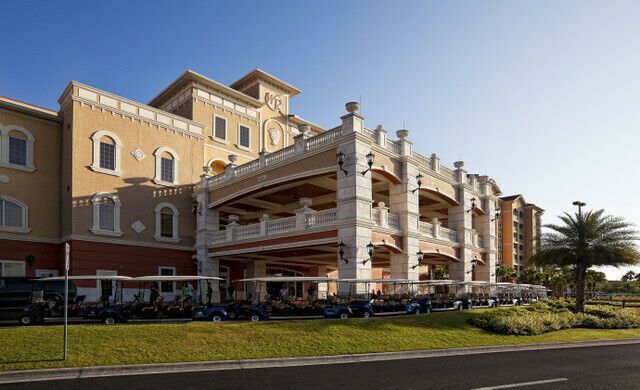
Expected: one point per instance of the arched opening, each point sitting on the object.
(217, 167)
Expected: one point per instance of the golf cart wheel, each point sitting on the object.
(216, 318)
(255, 318)
(460, 307)
(366, 314)
(344, 315)
(109, 320)
(25, 320)
(417, 311)
(232, 315)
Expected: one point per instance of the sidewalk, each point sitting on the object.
(150, 369)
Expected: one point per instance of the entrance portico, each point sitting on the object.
(351, 203)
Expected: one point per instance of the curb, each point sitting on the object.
(182, 367)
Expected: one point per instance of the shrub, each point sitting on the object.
(552, 316)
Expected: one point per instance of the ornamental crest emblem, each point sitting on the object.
(274, 134)
(273, 101)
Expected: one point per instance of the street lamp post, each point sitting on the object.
(580, 205)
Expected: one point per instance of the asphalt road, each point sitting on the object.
(606, 367)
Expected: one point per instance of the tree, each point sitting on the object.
(506, 273)
(587, 239)
(594, 279)
(629, 276)
(531, 275)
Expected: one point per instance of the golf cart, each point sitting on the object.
(183, 306)
(507, 293)
(282, 304)
(478, 295)
(437, 295)
(105, 311)
(395, 301)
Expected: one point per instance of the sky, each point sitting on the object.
(541, 95)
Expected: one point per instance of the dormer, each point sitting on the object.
(273, 92)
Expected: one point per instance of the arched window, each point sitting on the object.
(16, 149)
(217, 166)
(106, 153)
(166, 166)
(106, 215)
(13, 215)
(166, 222)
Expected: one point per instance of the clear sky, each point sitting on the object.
(543, 96)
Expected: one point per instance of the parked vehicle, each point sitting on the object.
(16, 293)
(183, 306)
(438, 295)
(478, 295)
(395, 300)
(508, 294)
(106, 311)
(284, 305)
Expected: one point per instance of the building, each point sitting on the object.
(225, 181)
(520, 226)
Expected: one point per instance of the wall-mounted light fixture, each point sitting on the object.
(30, 260)
(419, 181)
(473, 205)
(341, 247)
(420, 256)
(370, 249)
(474, 261)
(370, 156)
(497, 269)
(496, 216)
(340, 157)
(195, 209)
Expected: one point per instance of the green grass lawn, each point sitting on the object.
(93, 345)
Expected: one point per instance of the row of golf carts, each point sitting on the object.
(362, 298)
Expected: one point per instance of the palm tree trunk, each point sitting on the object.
(580, 285)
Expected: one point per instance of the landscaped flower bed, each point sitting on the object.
(548, 317)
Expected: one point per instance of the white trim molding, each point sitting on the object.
(95, 165)
(4, 148)
(95, 229)
(174, 223)
(25, 217)
(158, 177)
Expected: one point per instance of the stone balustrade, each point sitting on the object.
(304, 219)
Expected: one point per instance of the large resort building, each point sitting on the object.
(224, 181)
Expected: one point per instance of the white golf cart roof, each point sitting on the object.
(437, 282)
(475, 283)
(276, 279)
(173, 278)
(378, 280)
(115, 278)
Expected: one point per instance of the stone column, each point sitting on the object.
(256, 269)
(354, 200)
(461, 220)
(207, 221)
(486, 227)
(323, 288)
(404, 202)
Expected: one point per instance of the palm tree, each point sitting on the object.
(530, 275)
(629, 276)
(506, 273)
(595, 278)
(585, 240)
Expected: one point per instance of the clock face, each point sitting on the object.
(273, 101)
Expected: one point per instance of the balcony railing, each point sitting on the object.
(294, 224)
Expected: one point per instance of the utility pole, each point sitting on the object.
(66, 296)
(580, 205)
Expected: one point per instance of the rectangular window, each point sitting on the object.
(107, 156)
(12, 268)
(515, 225)
(167, 287)
(166, 169)
(243, 137)
(166, 225)
(106, 217)
(17, 151)
(219, 128)
(515, 246)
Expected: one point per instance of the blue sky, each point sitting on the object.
(540, 95)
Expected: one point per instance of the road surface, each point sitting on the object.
(603, 367)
